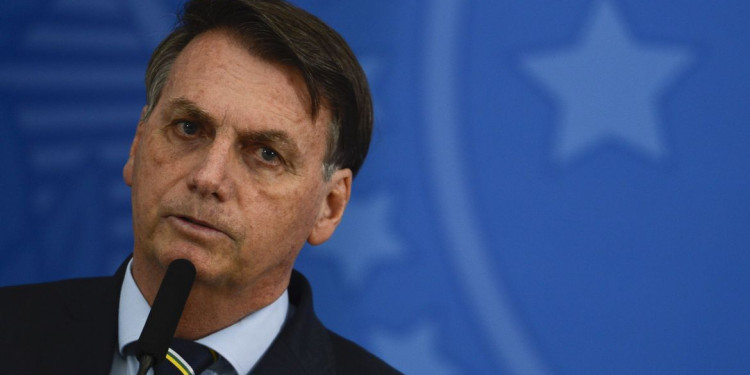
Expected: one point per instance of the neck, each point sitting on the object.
(210, 308)
(207, 311)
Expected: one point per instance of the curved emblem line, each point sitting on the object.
(466, 246)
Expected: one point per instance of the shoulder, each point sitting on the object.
(69, 294)
(28, 307)
(52, 306)
(313, 348)
(64, 320)
(22, 298)
(51, 295)
(353, 359)
(51, 286)
(30, 313)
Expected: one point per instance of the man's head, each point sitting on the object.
(227, 165)
(281, 33)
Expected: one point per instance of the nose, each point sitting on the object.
(210, 177)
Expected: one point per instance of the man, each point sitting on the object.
(257, 119)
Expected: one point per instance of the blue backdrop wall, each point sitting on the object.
(554, 187)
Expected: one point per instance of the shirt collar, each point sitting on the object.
(241, 344)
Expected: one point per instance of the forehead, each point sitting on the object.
(220, 74)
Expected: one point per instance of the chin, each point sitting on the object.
(199, 257)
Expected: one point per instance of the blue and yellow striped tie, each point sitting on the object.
(186, 358)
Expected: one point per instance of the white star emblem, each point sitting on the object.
(609, 87)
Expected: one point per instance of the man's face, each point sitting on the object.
(227, 169)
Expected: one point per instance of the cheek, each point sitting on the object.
(156, 152)
(157, 163)
(154, 172)
(292, 199)
(286, 215)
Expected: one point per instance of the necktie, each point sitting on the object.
(185, 358)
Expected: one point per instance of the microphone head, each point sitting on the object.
(166, 310)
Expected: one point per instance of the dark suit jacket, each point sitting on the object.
(70, 327)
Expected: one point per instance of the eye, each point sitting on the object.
(188, 128)
(268, 155)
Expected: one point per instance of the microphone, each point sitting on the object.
(165, 314)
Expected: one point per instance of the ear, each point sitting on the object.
(332, 207)
(127, 170)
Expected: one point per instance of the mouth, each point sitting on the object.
(196, 222)
(200, 226)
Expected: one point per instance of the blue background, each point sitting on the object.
(553, 187)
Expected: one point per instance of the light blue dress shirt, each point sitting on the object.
(240, 345)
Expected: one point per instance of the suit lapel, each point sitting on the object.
(93, 306)
(303, 346)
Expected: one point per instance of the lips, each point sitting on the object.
(196, 222)
(195, 226)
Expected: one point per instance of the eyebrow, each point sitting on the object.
(185, 107)
(276, 138)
